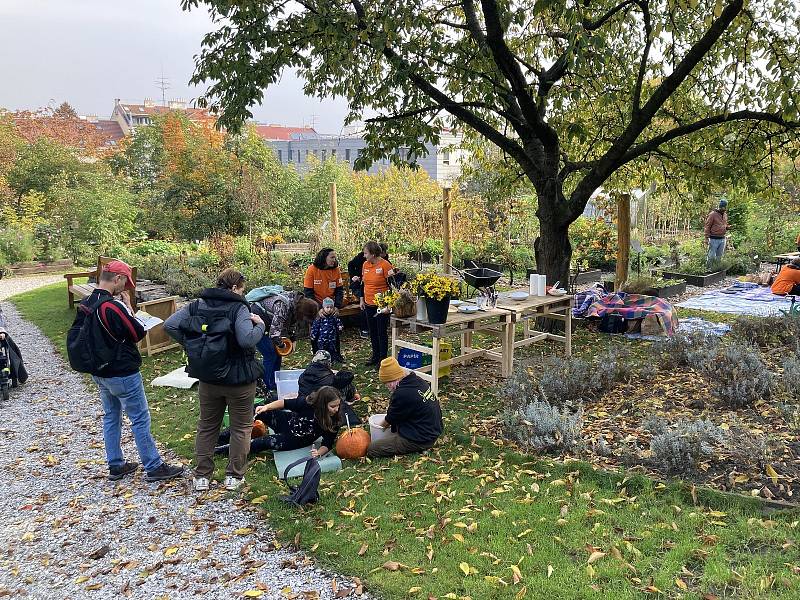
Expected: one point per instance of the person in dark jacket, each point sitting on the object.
(237, 390)
(281, 313)
(326, 330)
(17, 372)
(120, 382)
(414, 414)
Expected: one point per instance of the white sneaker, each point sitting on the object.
(232, 483)
(201, 484)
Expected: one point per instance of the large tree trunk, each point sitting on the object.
(553, 251)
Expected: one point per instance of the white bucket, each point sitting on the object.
(376, 432)
(287, 383)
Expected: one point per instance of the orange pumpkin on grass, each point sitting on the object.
(352, 444)
(259, 429)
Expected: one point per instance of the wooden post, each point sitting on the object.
(623, 238)
(334, 213)
(447, 254)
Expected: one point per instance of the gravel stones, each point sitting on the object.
(69, 532)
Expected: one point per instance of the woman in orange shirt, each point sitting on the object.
(323, 279)
(374, 275)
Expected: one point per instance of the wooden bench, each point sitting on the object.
(82, 290)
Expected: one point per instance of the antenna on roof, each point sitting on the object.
(162, 83)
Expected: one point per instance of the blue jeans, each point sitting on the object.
(716, 248)
(271, 361)
(126, 393)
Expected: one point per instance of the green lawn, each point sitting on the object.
(472, 519)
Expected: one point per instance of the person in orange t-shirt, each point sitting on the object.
(375, 275)
(323, 279)
(788, 280)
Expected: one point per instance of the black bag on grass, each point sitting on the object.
(613, 324)
(308, 490)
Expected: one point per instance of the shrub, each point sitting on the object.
(186, 281)
(638, 285)
(260, 275)
(243, 251)
(160, 247)
(767, 331)
(681, 447)
(205, 261)
(542, 427)
(738, 375)
(688, 350)
(613, 366)
(17, 245)
(790, 380)
(594, 242)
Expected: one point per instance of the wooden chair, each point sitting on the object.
(82, 290)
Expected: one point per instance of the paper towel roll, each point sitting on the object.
(541, 285)
(533, 284)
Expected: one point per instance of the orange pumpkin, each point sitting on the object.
(352, 444)
(259, 429)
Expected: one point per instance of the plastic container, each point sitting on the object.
(376, 433)
(287, 383)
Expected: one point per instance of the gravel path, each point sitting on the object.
(68, 532)
(10, 286)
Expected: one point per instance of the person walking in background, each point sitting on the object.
(119, 380)
(375, 275)
(220, 333)
(323, 279)
(716, 228)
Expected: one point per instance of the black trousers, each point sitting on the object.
(378, 325)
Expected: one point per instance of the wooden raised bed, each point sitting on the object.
(666, 291)
(28, 268)
(698, 280)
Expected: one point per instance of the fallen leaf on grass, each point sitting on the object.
(170, 551)
(549, 571)
(363, 549)
(516, 574)
(773, 474)
(253, 593)
(681, 584)
(595, 556)
(243, 531)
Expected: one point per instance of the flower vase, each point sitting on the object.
(437, 310)
(422, 310)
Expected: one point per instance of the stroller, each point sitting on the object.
(5, 370)
(12, 369)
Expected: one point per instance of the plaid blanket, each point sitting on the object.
(635, 306)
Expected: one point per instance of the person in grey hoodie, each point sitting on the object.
(237, 389)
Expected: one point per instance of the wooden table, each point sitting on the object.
(782, 259)
(464, 325)
(534, 307)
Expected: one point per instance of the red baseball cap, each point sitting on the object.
(121, 268)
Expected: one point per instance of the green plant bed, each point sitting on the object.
(464, 518)
(700, 280)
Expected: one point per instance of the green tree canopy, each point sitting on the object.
(571, 91)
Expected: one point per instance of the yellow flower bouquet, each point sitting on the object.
(386, 299)
(435, 286)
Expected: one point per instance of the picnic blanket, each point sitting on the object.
(740, 299)
(283, 458)
(635, 306)
(177, 379)
(583, 300)
(688, 325)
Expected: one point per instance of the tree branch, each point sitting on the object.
(741, 115)
(648, 32)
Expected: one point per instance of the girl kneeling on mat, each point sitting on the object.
(297, 423)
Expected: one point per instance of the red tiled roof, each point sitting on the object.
(109, 130)
(279, 132)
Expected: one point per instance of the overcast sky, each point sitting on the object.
(89, 52)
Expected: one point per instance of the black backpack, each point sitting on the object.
(308, 490)
(207, 341)
(91, 347)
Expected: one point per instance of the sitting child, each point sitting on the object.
(325, 331)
